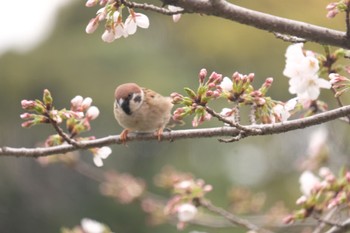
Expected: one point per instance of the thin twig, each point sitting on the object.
(231, 217)
(231, 123)
(61, 133)
(347, 21)
(345, 226)
(150, 7)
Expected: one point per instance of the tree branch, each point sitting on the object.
(267, 22)
(184, 134)
(345, 226)
(232, 218)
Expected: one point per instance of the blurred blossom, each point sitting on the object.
(308, 183)
(301, 200)
(92, 226)
(170, 176)
(186, 212)
(123, 187)
(317, 142)
(244, 201)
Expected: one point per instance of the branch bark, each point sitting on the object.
(183, 134)
(267, 22)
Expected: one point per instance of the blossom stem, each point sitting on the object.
(61, 133)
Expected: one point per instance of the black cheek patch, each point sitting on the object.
(126, 106)
(137, 99)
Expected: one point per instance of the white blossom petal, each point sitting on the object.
(92, 226)
(104, 152)
(130, 26)
(108, 36)
(98, 161)
(226, 84)
(308, 182)
(142, 20)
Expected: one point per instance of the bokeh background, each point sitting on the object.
(166, 58)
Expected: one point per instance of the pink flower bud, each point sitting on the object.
(202, 74)
(215, 78)
(301, 200)
(261, 101)
(92, 113)
(28, 104)
(251, 77)
(91, 3)
(331, 6)
(76, 102)
(289, 219)
(27, 124)
(268, 82)
(347, 176)
(26, 116)
(86, 103)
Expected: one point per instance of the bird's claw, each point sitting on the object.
(123, 136)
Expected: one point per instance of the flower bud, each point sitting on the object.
(86, 103)
(91, 3)
(26, 116)
(76, 102)
(47, 98)
(28, 124)
(28, 104)
(301, 200)
(92, 113)
(202, 74)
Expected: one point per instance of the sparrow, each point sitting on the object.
(139, 109)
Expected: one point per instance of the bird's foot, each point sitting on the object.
(159, 133)
(123, 136)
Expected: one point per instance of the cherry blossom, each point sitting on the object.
(108, 36)
(135, 20)
(302, 67)
(282, 111)
(100, 154)
(176, 17)
(226, 84)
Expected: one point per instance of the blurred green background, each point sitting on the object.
(165, 58)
